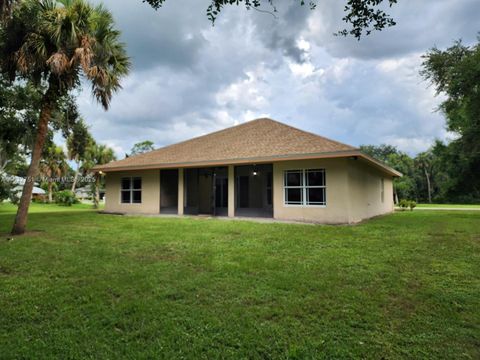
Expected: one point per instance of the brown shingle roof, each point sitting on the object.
(259, 140)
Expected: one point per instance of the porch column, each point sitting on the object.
(231, 191)
(180, 191)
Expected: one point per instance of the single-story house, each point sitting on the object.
(37, 192)
(86, 194)
(83, 193)
(261, 168)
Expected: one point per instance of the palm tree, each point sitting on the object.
(77, 144)
(58, 43)
(97, 155)
(53, 164)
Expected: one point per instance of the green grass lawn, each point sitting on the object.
(6, 208)
(85, 285)
(451, 206)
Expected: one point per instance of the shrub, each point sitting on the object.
(403, 204)
(407, 204)
(65, 198)
(412, 204)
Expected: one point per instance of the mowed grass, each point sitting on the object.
(6, 208)
(85, 285)
(451, 206)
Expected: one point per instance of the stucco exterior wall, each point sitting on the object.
(150, 192)
(336, 209)
(365, 188)
(353, 192)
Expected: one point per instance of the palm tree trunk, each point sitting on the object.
(428, 187)
(97, 191)
(75, 179)
(50, 186)
(42, 129)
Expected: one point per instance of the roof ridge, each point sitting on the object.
(199, 137)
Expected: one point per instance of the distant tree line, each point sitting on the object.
(424, 177)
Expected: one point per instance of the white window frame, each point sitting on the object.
(131, 189)
(304, 187)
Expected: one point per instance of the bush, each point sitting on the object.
(407, 204)
(412, 204)
(65, 198)
(403, 204)
(40, 199)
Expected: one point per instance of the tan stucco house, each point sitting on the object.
(261, 168)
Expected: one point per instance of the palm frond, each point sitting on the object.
(62, 40)
(59, 63)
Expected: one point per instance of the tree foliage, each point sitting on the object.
(404, 187)
(142, 147)
(19, 110)
(6, 187)
(379, 152)
(20, 104)
(455, 73)
(53, 165)
(97, 154)
(77, 145)
(5, 8)
(66, 198)
(59, 41)
(362, 16)
(78, 140)
(424, 177)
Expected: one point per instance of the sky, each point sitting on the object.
(190, 78)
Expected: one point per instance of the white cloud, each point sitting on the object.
(303, 70)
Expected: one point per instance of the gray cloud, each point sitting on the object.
(280, 33)
(170, 36)
(190, 78)
(420, 25)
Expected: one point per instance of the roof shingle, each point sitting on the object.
(257, 139)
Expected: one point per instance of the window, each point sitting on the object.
(294, 187)
(305, 187)
(382, 190)
(131, 192)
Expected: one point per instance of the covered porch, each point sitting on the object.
(242, 191)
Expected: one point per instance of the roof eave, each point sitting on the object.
(257, 160)
(381, 165)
